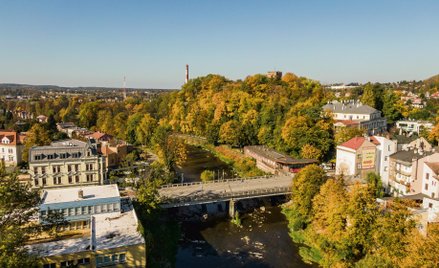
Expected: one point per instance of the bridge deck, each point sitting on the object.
(176, 195)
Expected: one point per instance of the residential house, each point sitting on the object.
(412, 127)
(11, 147)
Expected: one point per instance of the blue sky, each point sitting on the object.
(97, 43)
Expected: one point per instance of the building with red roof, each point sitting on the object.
(11, 147)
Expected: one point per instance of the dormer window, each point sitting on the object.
(6, 140)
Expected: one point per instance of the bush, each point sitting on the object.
(207, 175)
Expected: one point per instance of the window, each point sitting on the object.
(427, 176)
(388, 148)
(90, 209)
(50, 156)
(43, 213)
(65, 212)
(10, 151)
(430, 205)
(69, 168)
(78, 211)
(67, 263)
(76, 167)
(70, 179)
(84, 210)
(43, 170)
(426, 186)
(432, 195)
(76, 178)
(104, 208)
(44, 181)
(56, 169)
(84, 261)
(89, 177)
(122, 258)
(35, 170)
(98, 209)
(71, 211)
(56, 180)
(36, 182)
(386, 158)
(49, 265)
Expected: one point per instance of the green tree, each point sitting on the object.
(390, 108)
(368, 96)
(306, 185)
(17, 207)
(375, 184)
(88, 114)
(346, 133)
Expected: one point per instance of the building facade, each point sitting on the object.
(11, 147)
(357, 157)
(111, 237)
(66, 163)
(356, 114)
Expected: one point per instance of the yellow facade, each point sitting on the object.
(134, 257)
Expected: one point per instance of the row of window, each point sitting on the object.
(104, 260)
(55, 156)
(9, 150)
(85, 210)
(10, 158)
(57, 180)
(57, 169)
(69, 263)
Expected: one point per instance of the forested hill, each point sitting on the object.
(282, 113)
(432, 81)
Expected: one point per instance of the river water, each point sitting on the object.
(261, 241)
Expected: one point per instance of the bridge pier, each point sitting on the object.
(232, 208)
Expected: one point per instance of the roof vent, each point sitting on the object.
(81, 193)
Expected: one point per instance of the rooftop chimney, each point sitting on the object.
(81, 193)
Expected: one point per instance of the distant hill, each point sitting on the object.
(432, 80)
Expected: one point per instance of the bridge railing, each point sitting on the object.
(224, 195)
(214, 181)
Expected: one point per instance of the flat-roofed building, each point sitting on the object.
(77, 204)
(66, 163)
(114, 240)
(412, 126)
(274, 162)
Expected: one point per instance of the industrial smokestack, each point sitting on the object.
(187, 74)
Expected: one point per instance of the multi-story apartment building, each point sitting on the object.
(66, 163)
(356, 114)
(111, 237)
(406, 169)
(11, 147)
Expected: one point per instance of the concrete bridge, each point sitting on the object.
(197, 193)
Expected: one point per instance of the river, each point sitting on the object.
(262, 241)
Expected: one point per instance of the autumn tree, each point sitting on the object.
(306, 185)
(390, 107)
(368, 96)
(346, 133)
(145, 129)
(36, 136)
(423, 251)
(207, 175)
(308, 151)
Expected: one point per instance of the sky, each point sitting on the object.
(97, 43)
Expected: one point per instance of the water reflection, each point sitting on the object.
(262, 241)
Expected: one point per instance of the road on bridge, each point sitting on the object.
(175, 195)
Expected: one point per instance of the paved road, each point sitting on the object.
(204, 192)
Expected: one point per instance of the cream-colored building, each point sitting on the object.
(11, 147)
(101, 230)
(66, 163)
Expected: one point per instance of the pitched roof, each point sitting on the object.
(433, 166)
(356, 142)
(408, 156)
(98, 135)
(13, 137)
(349, 107)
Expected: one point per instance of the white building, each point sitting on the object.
(412, 126)
(356, 114)
(77, 204)
(11, 147)
(430, 180)
(385, 148)
(361, 155)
